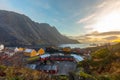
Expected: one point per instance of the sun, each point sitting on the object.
(108, 22)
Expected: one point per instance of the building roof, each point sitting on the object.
(61, 57)
(32, 66)
(57, 54)
(45, 55)
(46, 67)
(28, 50)
(77, 57)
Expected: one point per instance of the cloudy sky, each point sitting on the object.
(70, 17)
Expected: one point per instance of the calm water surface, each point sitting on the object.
(75, 45)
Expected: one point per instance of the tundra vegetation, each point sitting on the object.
(104, 64)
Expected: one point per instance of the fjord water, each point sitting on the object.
(75, 45)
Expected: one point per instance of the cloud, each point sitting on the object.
(110, 33)
(86, 19)
(105, 17)
(102, 4)
(96, 37)
(111, 38)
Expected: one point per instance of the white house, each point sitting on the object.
(1, 47)
(16, 49)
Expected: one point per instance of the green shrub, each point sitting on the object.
(2, 67)
(86, 76)
(101, 53)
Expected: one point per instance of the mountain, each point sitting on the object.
(18, 29)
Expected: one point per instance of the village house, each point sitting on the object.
(1, 47)
(51, 69)
(19, 49)
(30, 52)
(9, 51)
(41, 51)
(16, 50)
(67, 49)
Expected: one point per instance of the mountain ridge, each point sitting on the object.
(18, 29)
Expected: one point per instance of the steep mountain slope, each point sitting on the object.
(18, 29)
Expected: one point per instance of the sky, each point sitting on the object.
(70, 17)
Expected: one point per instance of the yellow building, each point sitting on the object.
(21, 49)
(30, 52)
(67, 49)
(41, 51)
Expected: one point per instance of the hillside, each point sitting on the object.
(103, 65)
(21, 73)
(18, 29)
